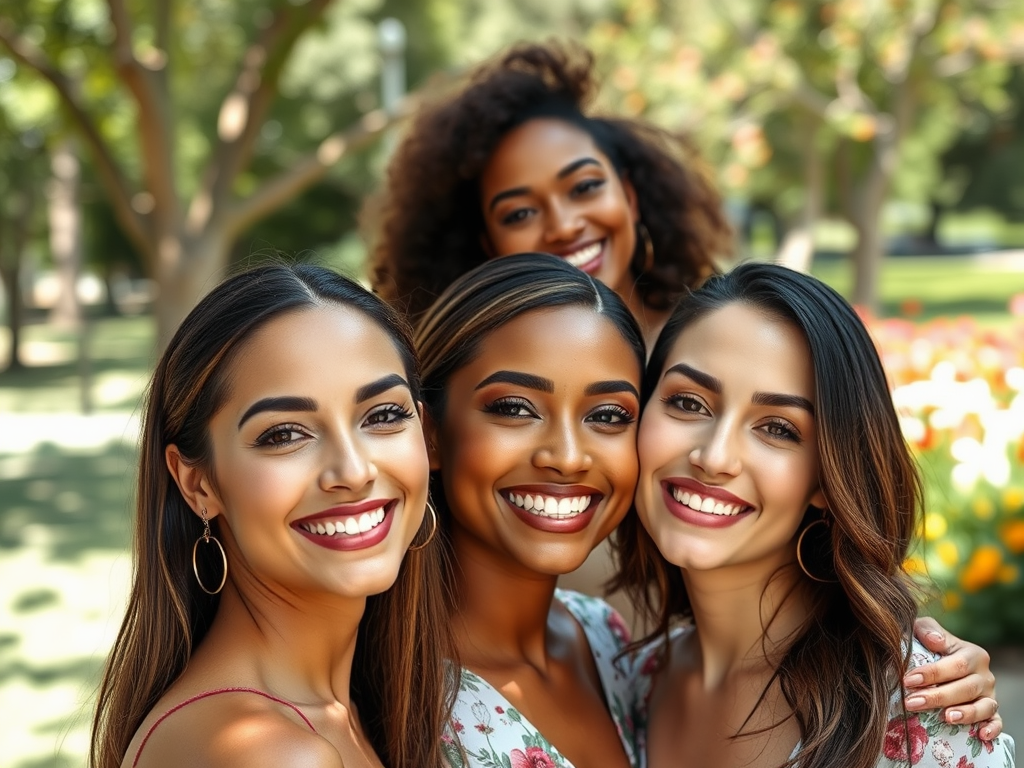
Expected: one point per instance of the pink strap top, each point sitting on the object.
(207, 694)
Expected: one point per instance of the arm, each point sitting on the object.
(960, 683)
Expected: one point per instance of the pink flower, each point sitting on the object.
(499, 710)
(964, 762)
(896, 736)
(618, 627)
(975, 731)
(535, 757)
(457, 726)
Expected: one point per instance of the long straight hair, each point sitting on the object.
(399, 681)
(838, 676)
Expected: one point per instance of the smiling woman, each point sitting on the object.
(276, 617)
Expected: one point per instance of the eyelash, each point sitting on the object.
(502, 407)
(395, 412)
(623, 416)
(265, 441)
(588, 185)
(786, 431)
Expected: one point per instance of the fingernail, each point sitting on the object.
(954, 716)
(915, 702)
(912, 681)
(936, 634)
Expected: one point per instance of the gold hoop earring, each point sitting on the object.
(430, 538)
(206, 537)
(645, 236)
(800, 554)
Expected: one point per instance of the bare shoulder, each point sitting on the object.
(235, 730)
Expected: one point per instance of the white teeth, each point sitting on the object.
(349, 526)
(558, 508)
(583, 255)
(706, 504)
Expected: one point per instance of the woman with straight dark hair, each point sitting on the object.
(278, 614)
(777, 502)
(531, 376)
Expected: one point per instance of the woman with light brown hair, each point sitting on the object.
(286, 607)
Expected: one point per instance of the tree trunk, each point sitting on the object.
(65, 216)
(184, 281)
(797, 249)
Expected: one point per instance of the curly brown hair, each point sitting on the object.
(426, 222)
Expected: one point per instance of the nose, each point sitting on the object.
(563, 449)
(716, 453)
(347, 464)
(564, 222)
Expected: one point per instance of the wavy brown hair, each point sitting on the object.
(399, 681)
(425, 225)
(839, 674)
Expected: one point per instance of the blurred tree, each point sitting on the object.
(175, 104)
(816, 106)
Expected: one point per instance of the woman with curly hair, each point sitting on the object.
(514, 162)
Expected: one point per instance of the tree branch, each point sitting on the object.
(277, 191)
(110, 173)
(154, 115)
(245, 107)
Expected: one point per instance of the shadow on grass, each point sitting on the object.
(67, 502)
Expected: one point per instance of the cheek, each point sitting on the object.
(506, 242)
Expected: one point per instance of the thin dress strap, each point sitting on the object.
(207, 694)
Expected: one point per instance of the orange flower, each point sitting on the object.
(982, 569)
(1012, 534)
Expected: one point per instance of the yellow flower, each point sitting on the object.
(935, 526)
(915, 566)
(946, 550)
(951, 601)
(1012, 534)
(1008, 574)
(983, 508)
(982, 569)
(1013, 499)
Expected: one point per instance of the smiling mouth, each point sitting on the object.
(584, 255)
(556, 508)
(346, 526)
(707, 504)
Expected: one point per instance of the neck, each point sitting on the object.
(299, 648)
(503, 608)
(746, 616)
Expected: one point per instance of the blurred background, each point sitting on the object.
(147, 147)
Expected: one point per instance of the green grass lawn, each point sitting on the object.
(66, 488)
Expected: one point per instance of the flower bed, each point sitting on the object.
(959, 390)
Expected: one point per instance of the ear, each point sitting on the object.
(631, 198)
(194, 484)
(431, 435)
(820, 501)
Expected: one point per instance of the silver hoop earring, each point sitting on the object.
(206, 537)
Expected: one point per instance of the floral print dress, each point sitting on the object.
(933, 743)
(494, 734)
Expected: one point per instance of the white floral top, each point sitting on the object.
(494, 734)
(933, 742)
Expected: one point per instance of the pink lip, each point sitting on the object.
(591, 267)
(344, 542)
(702, 519)
(549, 524)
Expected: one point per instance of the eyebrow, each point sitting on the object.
(518, 378)
(568, 170)
(308, 404)
(305, 404)
(611, 388)
(381, 385)
(708, 381)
